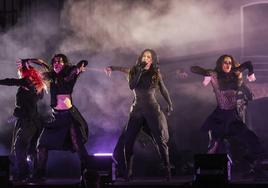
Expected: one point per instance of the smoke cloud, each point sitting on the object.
(174, 28)
(114, 33)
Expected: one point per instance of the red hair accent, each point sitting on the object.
(34, 75)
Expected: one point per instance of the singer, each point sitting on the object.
(144, 80)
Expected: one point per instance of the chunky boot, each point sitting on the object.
(40, 171)
(129, 165)
(259, 172)
(167, 173)
(166, 169)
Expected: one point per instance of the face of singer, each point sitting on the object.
(147, 57)
(58, 64)
(227, 64)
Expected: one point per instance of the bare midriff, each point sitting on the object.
(64, 102)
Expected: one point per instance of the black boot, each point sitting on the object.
(167, 173)
(259, 172)
(40, 167)
(166, 162)
(129, 166)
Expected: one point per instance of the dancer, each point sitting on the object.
(144, 79)
(68, 130)
(27, 128)
(118, 153)
(225, 123)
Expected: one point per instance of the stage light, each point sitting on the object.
(104, 165)
(103, 154)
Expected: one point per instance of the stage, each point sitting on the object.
(142, 182)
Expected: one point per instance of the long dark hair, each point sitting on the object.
(233, 77)
(220, 61)
(64, 71)
(64, 59)
(153, 70)
(155, 64)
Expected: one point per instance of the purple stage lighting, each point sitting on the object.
(103, 154)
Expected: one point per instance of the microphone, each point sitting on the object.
(142, 64)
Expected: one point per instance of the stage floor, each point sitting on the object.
(142, 182)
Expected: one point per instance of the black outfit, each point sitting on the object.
(68, 130)
(28, 125)
(118, 153)
(146, 109)
(227, 120)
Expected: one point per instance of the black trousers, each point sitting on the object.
(157, 123)
(226, 125)
(24, 141)
(118, 153)
(65, 131)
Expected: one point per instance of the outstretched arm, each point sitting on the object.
(247, 65)
(76, 70)
(40, 62)
(14, 82)
(108, 70)
(207, 73)
(165, 94)
(201, 71)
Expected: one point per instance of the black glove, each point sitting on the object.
(80, 63)
(24, 62)
(141, 66)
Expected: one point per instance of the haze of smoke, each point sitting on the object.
(177, 25)
(101, 31)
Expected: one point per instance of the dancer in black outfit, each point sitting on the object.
(118, 153)
(225, 122)
(144, 80)
(28, 125)
(68, 130)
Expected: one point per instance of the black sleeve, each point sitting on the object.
(164, 91)
(134, 76)
(73, 70)
(121, 69)
(14, 82)
(80, 63)
(246, 65)
(72, 75)
(200, 71)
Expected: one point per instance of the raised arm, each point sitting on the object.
(201, 71)
(134, 76)
(76, 70)
(40, 62)
(165, 94)
(246, 65)
(121, 69)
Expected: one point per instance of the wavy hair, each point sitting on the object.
(153, 70)
(233, 76)
(63, 56)
(35, 76)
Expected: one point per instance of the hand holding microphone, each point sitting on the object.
(142, 65)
